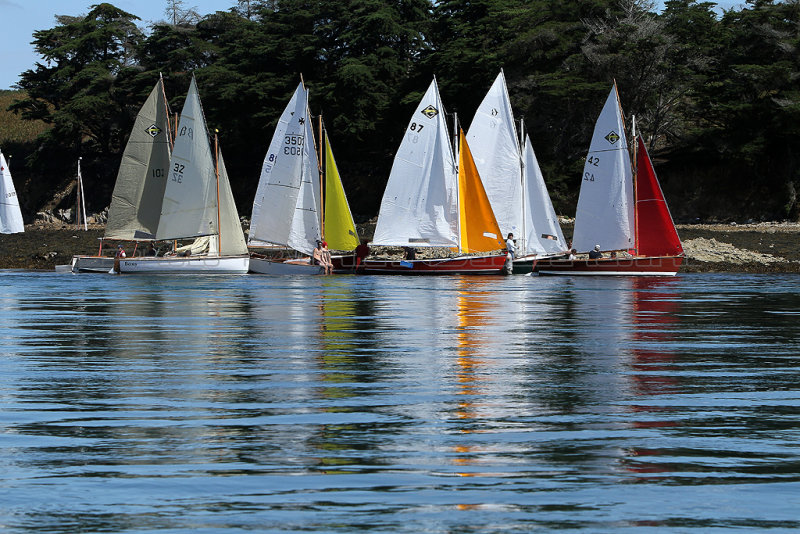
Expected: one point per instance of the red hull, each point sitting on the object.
(643, 266)
(461, 265)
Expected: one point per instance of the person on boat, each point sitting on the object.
(120, 252)
(511, 245)
(362, 251)
(595, 254)
(316, 255)
(613, 255)
(411, 253)
(573, 254)
(150, 250)
(327, 262)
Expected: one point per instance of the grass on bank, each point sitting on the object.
(13, 128)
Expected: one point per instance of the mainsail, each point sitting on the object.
(197, 199)
(284, 208)
(605, 213)
(420, 203)
(340, 230)
(142, 177)
(493, 139)
(10, 214)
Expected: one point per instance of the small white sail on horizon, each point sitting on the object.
(10, 214)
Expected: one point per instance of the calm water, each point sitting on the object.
(392, 404)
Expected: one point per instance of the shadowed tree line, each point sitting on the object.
(716, 96)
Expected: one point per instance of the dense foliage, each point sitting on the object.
(717, 96)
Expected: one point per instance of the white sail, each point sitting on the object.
(281, 179)
(544, 235)
(420, 202)
(493, 138)
(605, 205)
(10, 214)
(305, 229)
(139, 190)
(189, 208)
(231, 238)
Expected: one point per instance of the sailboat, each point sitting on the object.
(10, 214)
(197, 204)
(513, 180)
(285, 212)
(142, 177)
(435, 198)
(620, 208)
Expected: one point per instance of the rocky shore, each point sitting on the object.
(752, 248)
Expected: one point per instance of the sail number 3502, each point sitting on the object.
(293, 145)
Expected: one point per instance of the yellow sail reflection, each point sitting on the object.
(479, 229)
(340, 230)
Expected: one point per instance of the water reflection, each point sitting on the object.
(380, 403)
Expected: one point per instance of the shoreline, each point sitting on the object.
(746, 248)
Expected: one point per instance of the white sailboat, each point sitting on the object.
(435, 198)
(513, 180)
(285, 208)
(620, 208)
(139, 189)
(197, 204)
(10, 214)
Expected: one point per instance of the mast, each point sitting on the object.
(524, 235)
(456, 153)
(635, 170)
(81, 199)
(216, 174)
(322, 177)
(170, 136)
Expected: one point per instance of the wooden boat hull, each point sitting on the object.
(460, 265)
(288, 267)
(92, 264)
(641, 266)
(186, 265)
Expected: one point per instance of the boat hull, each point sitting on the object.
(642, 266)
(92, 264)
(290, 267)
(187, 265)
(460, 265)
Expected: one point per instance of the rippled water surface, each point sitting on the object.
(398, 404)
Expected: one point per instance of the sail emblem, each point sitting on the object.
(612, 137)
(430, 112)
(153, 130)
(495, 113)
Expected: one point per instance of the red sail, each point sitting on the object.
(656, 231)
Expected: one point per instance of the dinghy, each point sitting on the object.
(620, 208)
(197, 204)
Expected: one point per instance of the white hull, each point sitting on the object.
(300, 267)
(191, 264)
(91, 264)
(607, 273)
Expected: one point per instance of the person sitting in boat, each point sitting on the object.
(327, 262)
(613, 255)
(595, 254)
(411, 253)
(362, 251)
(150, 250)
(120, 252)
(316, 256)
(573, 254)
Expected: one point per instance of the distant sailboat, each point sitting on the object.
(197, 204)
(10, 214)
(142, 177)
(435, 198)
(620, 208)
(513, 180)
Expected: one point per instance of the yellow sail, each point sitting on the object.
(479, 229)
(340, 230)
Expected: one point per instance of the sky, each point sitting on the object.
(20, 18)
